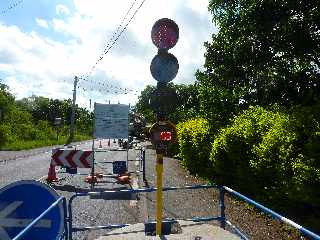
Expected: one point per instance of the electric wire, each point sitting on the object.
(11, 6)
(110, 40)
(109, 46)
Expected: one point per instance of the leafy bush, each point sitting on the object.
(195, 142)
(45, 130)
(4, 134)
(271, 154)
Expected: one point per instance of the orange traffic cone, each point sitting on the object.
(52, 177)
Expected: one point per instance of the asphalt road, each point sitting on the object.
(33, 164)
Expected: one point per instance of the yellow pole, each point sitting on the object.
(159, 170)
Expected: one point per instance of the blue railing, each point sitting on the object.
(303, 230)
(221, 218)
(69, 228)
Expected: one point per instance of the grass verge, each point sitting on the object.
(24, 145)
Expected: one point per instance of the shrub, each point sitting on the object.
(271, 154)
(195, 142)
(4, 134)
(45, 131)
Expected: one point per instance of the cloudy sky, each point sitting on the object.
(45, 43)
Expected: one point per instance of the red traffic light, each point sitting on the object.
(165, 33)
(165, 136)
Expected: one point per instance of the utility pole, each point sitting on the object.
(73, 109)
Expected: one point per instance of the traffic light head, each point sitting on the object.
(165, 33)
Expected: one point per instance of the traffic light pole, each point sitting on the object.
(164, 68)
(159, 171)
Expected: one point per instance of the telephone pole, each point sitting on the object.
(72, 122)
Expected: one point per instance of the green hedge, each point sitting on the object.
(195, 143)
(271, 155)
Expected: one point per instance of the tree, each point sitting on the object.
(143, 105)
(265, 52)
(6, 100)
(187, 105)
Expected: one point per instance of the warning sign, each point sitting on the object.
(111, 120)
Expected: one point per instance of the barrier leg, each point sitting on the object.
(144, 165)
(222, 208)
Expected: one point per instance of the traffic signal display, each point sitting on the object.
(165, 33)
(164, 66)
(162, 133)
(165, 136)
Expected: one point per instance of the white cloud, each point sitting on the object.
(42, 65)
(42, 23)
(62, 10)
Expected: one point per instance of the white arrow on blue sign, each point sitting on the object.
(21, 202)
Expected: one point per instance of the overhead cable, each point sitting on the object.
(11, 6)
(109, 46)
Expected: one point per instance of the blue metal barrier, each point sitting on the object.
(222, 218)
(303, 230)
(144, 165)
(131, 191)
(68, 221)
(35, 221)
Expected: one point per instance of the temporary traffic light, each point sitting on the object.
(164, 66)
(164, 34)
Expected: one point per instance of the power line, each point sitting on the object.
(112, 38)
(11, 6)
(109, 46)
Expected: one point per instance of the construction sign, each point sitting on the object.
(111, 120)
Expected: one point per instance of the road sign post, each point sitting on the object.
(159, 171)
(161, 133)
(164, 68)
(24, 201)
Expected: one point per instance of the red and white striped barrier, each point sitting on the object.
(72, 158)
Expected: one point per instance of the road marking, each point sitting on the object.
(15, 222)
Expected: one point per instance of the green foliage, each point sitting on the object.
(29, 122)
(143, 107)
(265, 52)
(195, 142)
(4, 134)
(187, 105)
(270, 154)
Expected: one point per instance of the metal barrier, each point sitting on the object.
(275, 215)
(222, 218)
(114, 195)
(140, 159)
(120, 194)
(35, 221)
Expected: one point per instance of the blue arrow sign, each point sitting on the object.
(21, 202)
